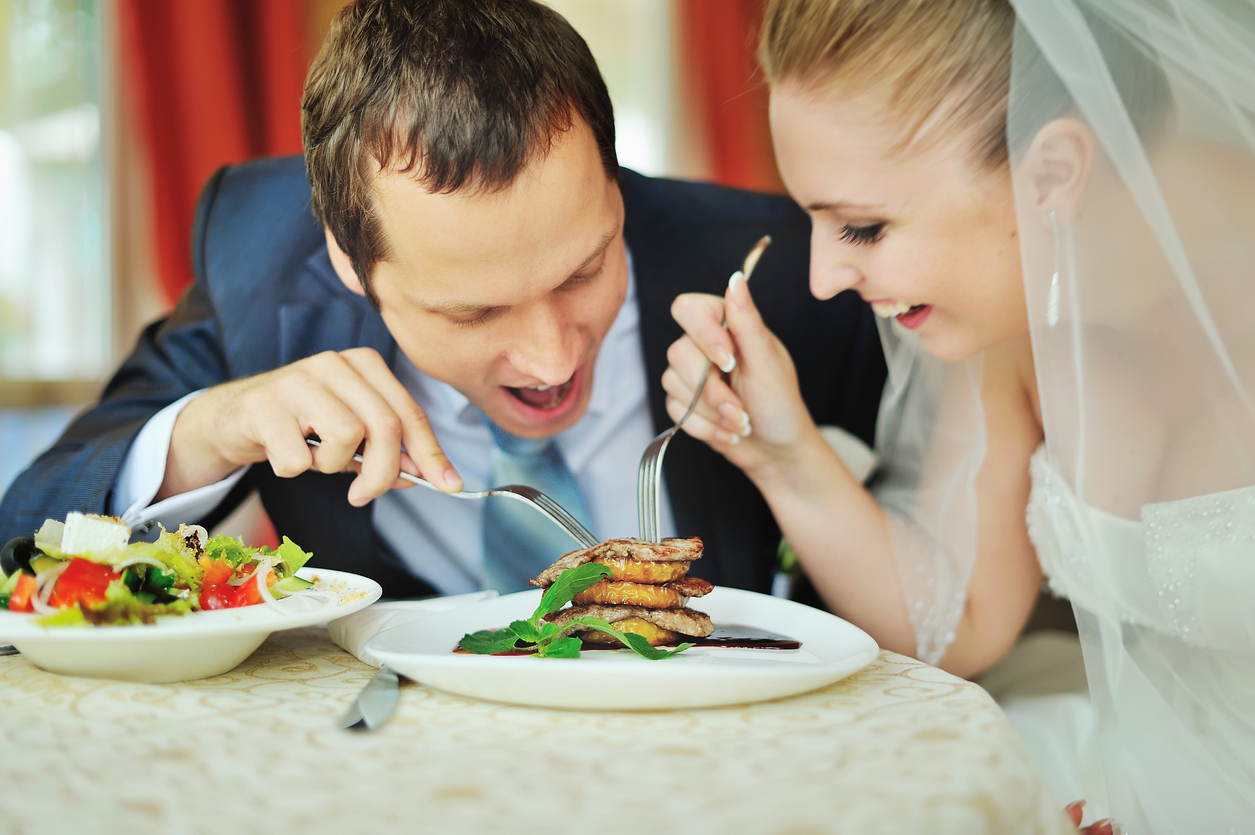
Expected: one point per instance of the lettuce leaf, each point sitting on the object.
(230, 549)
(293, 555)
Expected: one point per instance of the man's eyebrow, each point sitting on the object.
(840, 205)
(450, 308)
(597, 250)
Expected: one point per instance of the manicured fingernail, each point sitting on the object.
(736, 292)
(733, 440)
(1075, 804)
(747, 430)
(733, 414)
(723, 358)
(452, 479)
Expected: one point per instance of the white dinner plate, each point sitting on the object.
(196, 645)
(621, 680)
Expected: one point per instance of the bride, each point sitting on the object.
(1051, 205)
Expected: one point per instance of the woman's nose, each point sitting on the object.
(829, 279)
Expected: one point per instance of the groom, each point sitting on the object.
(459, 268)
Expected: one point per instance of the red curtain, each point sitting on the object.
(718, 43)
(214, 82)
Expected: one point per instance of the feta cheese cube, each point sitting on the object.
(88, 533)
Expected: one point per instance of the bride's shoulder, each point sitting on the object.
(1009, 373)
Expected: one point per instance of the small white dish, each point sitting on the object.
(620, 680)
(197, 645)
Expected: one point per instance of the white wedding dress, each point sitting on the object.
(1181, 657)
(1141, 307)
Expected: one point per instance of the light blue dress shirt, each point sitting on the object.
(439, 537)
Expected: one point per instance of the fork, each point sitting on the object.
(649, 474)
(519, 492)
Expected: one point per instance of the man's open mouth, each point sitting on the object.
(543, 397)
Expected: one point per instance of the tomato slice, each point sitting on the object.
(247, 594)
(217, 596)
(83, 582)
(216, 571)
(20, 599)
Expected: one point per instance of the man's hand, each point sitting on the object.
(345, 398)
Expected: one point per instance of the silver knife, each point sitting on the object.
(375, 703)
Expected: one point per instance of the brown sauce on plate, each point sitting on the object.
(729, 635)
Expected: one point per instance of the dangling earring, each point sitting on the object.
(1052, 298)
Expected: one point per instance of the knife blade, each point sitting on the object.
(375, 703)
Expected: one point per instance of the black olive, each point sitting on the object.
(17, 555)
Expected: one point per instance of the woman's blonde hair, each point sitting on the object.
(944, 64)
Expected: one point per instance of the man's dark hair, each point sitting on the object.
(461, 94)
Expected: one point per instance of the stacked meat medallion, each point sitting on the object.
(647, 594)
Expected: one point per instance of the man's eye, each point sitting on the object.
(580, 280)
(471, 321)
(862, 234)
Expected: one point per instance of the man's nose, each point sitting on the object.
(547, 344)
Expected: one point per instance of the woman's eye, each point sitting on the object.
(862, 234)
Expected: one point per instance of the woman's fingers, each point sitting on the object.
(719, 404)
(720, 438)
(701, 316)
(754, 342)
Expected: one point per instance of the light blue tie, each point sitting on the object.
(520, 542)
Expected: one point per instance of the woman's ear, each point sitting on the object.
(343, 266)
(1057, 166)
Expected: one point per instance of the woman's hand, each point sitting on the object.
(753, 412)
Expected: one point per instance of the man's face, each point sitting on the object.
(507, 296)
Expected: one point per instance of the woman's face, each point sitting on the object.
(922, 233)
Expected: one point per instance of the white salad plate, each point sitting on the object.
(621, 680)
(182, 648)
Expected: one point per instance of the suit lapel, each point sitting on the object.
(710, 497)
(325, 316)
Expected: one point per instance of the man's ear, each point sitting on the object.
(343, 266)
(1057, 166)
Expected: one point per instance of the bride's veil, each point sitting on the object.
(1142, 307)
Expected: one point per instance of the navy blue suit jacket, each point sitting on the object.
(266, 295)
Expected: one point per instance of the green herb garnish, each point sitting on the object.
(549, 640)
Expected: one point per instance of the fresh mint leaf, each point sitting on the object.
(570, 583)
(562, 648)
(489, 641)
(526, 631)
(642, 647)
(549, 631)
(633, 642)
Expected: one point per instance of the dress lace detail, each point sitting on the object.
(1055, 532)
(1149, 571)
(1177, 533)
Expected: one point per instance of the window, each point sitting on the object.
(55, 309)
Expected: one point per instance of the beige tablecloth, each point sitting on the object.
(898, 748)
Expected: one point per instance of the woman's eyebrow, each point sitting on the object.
(841, 206)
